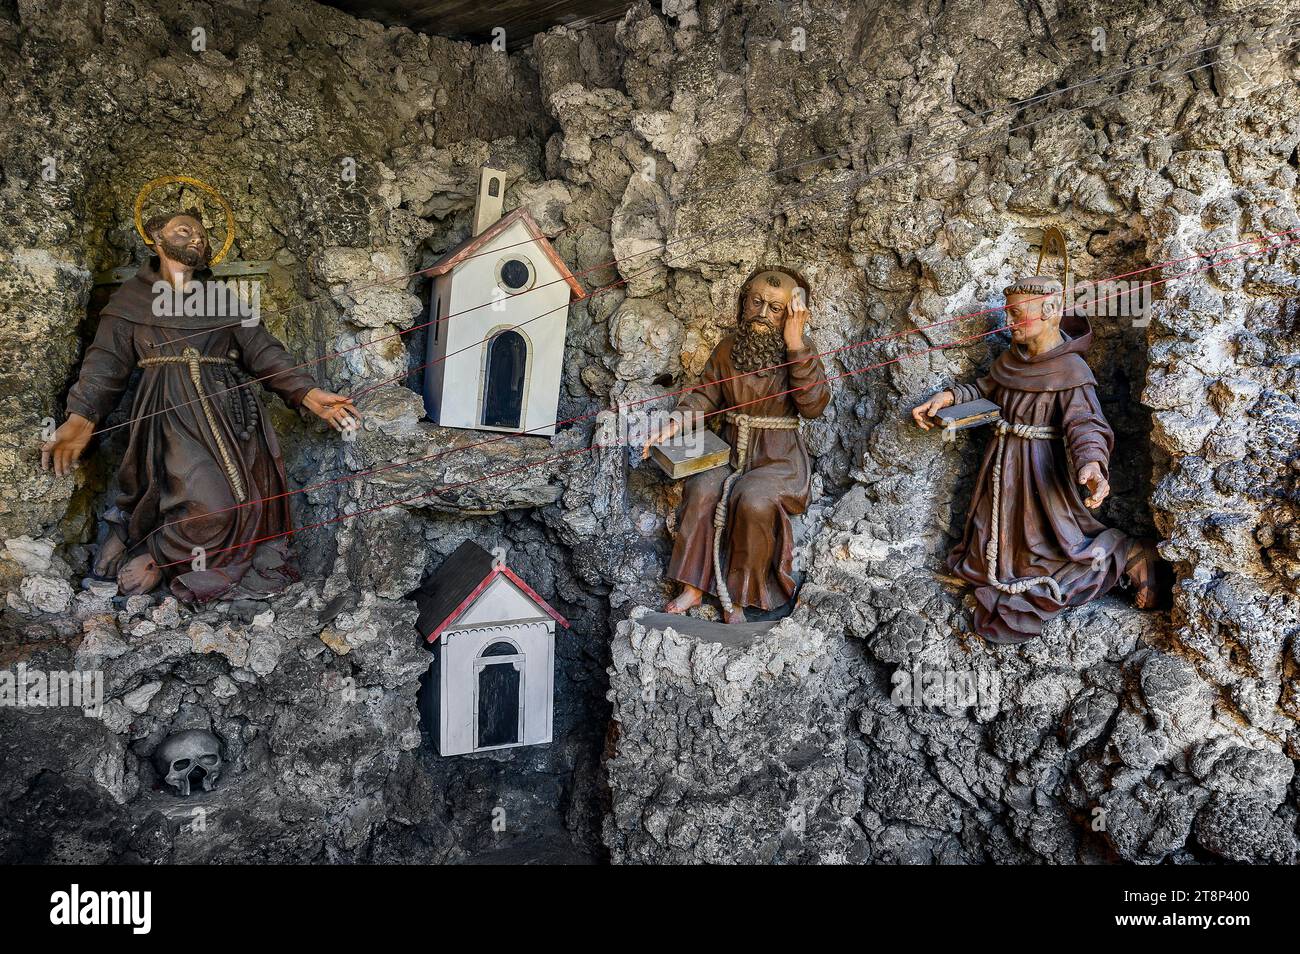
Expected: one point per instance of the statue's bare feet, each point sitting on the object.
(110, 556)
(737, 615)
(1141, 572)
(140, 575)
(689, 598)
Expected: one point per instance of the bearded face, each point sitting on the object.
(765, 305)
(184, 240)
(757, 349)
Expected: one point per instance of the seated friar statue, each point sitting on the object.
(734, 535)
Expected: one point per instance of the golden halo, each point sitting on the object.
(152, 184)
(1053, 236)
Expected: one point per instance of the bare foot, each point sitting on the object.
(110, 556)
(1141, 572)
(690, 597)
(737, 615)
(141, 575)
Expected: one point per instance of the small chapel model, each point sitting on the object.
(498, 311)
(492, 680)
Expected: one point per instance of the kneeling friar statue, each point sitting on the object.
(1032, 546)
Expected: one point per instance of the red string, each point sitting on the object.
(351, 292)
(1015, 105)
(442, 490)
(822, 354)
(364, 391)
(887, 168)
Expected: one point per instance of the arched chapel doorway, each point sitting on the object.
(499, 671)
(503, 380)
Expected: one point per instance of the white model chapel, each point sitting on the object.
(498, 312)
(492, 679)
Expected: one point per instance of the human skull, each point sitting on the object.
(194, 754)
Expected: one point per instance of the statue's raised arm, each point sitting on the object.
(203, 494)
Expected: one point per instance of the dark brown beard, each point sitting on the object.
(753, 350)
(186, 255)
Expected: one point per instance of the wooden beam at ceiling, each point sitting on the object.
(475, 20)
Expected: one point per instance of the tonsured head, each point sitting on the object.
(765, 302)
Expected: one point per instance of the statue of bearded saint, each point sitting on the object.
(766, 378)
(1031, 546)
(202, 476)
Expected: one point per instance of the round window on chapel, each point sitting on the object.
(515, 274)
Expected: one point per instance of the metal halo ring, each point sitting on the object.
(152, 184)
(1053, 236)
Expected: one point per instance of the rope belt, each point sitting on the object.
(191, 358)
(745, 424)
(1029, 432)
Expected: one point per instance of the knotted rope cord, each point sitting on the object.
(744, 424)
(1029, 432)
(191, 358)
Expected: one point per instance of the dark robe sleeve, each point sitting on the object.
(107, 367)
(979, 388)
(262, 355)
(1086, 432)
(808, 375)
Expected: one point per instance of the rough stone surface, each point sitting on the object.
(694, 140)
(1119, 736)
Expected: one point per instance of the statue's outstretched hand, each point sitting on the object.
(67, 444)
(335, 409)
(923, 413)
(1098, 487)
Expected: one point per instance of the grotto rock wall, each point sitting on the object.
(277, 106)
(1119, 735)
(692, 140)
(312, 707)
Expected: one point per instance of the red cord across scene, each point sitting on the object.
(654, 205)
(890, 167)
(659, 397)
(580, 450)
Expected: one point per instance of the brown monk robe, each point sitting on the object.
(1054, 440)
(758, 542)
(197, 471)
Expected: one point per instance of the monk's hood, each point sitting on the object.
(1060, 369)
(137, 301)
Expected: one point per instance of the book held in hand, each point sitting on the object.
(971, 414)
(706, 451)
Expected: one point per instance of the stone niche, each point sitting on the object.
(1119, 737)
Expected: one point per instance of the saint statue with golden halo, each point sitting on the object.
(203, 501)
